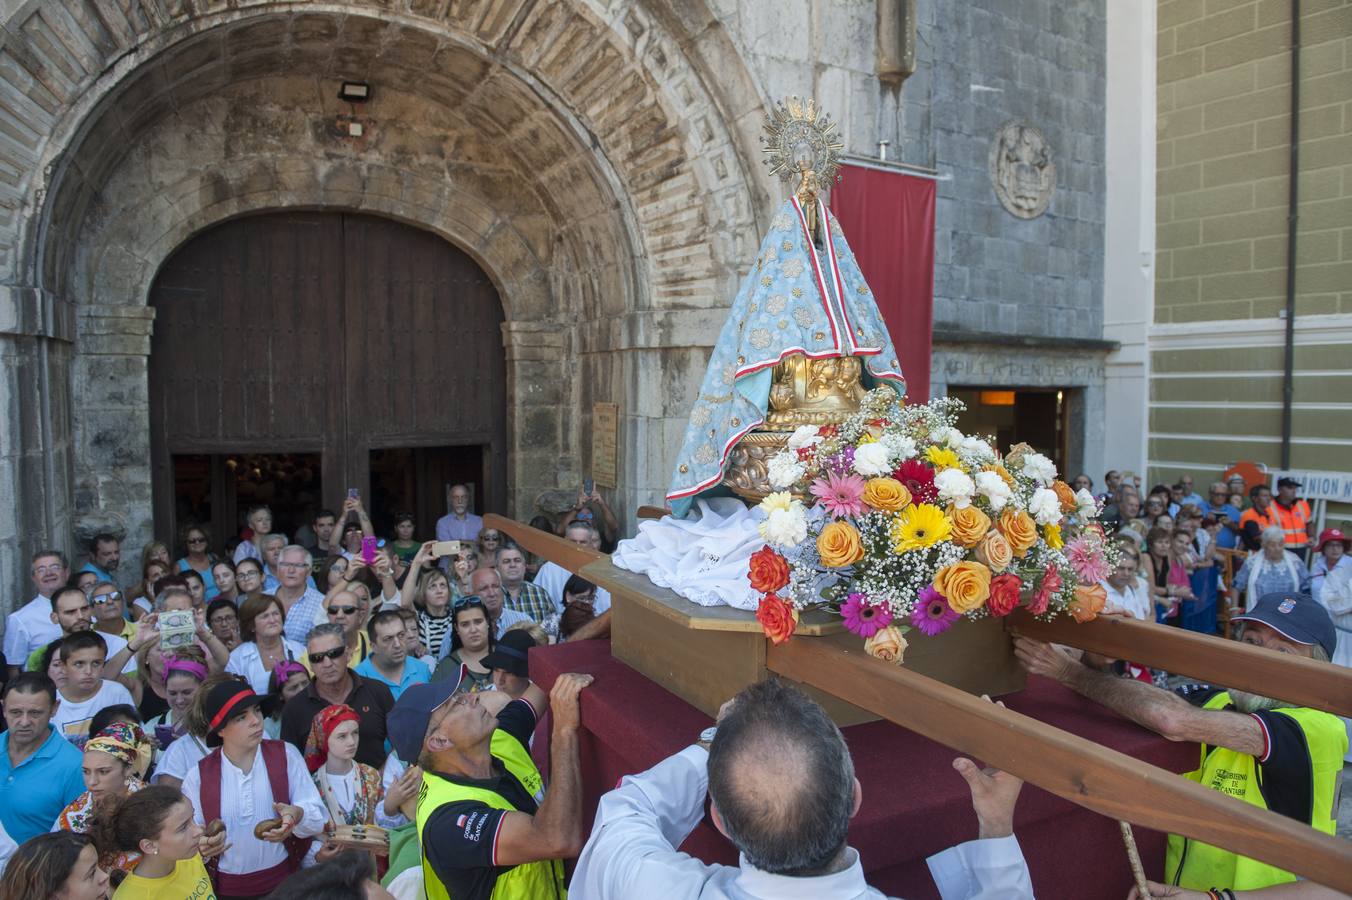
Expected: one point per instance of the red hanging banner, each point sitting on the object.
(888, 219)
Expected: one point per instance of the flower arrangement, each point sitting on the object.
(897, 520)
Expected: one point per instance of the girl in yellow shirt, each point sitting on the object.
(157, 822)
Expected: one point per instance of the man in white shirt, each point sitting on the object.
(72, 612)
(1126, 590)
(302, 605)
(552, 576)
(782, 790)
(30, 626)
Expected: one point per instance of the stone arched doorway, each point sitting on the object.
(299, 354)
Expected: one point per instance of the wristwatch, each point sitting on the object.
(706, 737)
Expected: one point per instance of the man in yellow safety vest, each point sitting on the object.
(1267, 752)
(486, 827)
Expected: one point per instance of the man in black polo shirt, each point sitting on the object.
(334, 682)
(485, 824)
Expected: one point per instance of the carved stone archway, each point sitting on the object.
(596, 162)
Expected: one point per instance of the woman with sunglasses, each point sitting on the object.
(488, 543)
(471, 640)
(262, 623)
(198, 557)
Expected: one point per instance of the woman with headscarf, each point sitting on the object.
(115, 764)
(184, 670)
(351, 790)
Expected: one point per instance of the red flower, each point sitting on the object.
(919, 480)
(1004, 594)
(1051, 584)
(827, 431)
(768, 572)
(778, 619)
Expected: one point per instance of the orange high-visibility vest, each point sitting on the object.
(1293, 522)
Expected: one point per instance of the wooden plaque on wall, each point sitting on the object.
(605, 444)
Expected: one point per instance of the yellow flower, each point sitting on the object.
(919, 526)
(942, 458)
(886, 494)
(1000, 470)
(1052, 535)
(867, 438)
(780, 500)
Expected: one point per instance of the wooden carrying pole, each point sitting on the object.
(1215, 660)
(1079, 770)
(1076, 769)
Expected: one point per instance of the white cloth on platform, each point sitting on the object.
(632, 852)
(703, 557)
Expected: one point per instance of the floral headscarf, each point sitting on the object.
(127, 743)
(321, 729)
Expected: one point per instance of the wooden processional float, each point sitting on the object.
(722, 650)
(705, 655)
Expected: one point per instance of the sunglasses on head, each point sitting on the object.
(109, 597)
(335, 653)
(345, 610)
(466, 601)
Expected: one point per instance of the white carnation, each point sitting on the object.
(785, 527)
(870, 460)
(899, 445)
(1088, 506)
(974, 448)
(804, 436)
(993, 488)
(784, 470)
(1045, 507)
(955, 486)
(1039, 468)
(947, 435)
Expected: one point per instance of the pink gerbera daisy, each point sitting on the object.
(1050, 585)
(932, 614)
(1087, 559)
(840, 495)
(864, 618)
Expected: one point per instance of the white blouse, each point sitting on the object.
(247, 800)
(247, 661)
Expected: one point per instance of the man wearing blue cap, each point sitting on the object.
(1265, 751)
(485, 825)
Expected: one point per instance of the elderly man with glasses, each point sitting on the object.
(348, 610)
(30, 627)
(301, 602)
(326, 656)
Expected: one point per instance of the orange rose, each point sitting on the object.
(768, 572)
(994, 552)
(778, 619)
(886, 644)
(1018, 528)
(1004, 594)
(839, 545)
(966, 585)
(886, 494)
(1066, 495)
(1089, 601)
(969, 525)
(1000, 470)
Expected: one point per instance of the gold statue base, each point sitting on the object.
(803, 391)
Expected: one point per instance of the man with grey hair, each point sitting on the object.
(781, 786)
(30, 627)
(300, 602)
(333, 682)
(1266, 751)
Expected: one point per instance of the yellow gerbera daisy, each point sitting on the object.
(1052, 535)
(919, 525)
(942, 458)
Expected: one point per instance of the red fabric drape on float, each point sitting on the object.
(888, 218)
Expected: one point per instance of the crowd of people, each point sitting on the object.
(251, 718)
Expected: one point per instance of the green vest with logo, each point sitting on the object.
(1198, 866)
(526, 881)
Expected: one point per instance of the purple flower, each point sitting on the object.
(932, 614)
(864, 618)
(841, 496)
